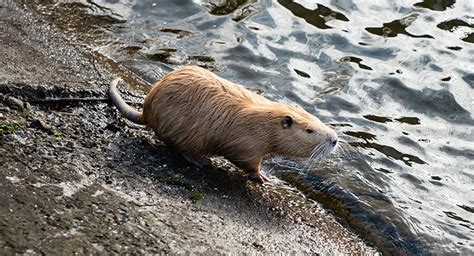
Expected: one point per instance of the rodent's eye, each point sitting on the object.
(309, 131)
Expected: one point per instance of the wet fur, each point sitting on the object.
(200, 113)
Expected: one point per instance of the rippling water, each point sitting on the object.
(396, 80)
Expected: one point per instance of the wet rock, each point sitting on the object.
(258, 246)
(112, 127)
(14, 103)
(42, 126)
(4, 109)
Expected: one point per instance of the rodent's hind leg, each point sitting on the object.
(197, 160)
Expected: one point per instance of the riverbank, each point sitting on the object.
(76, 177)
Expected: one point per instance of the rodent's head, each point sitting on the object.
(302, 135)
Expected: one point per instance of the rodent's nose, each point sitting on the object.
(332, 137)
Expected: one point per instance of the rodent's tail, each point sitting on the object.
(127, 111)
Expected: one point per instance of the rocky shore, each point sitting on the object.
(75, 177)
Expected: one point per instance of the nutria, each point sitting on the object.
(201, 115)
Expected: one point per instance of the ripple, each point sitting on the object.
(226, 7)
(202, 58)
(316, 17)
(131, 49)
(179, 32)
(396, 27)
(469, 79)
(409, 120)
(463, 152)
(383, 170)
(453, 24)
(162, 56)
(362, 135)
(467, 208)
(436, 5)
(428, 101)
(454, 216)
(404, 140)
(302, 73)
(337, 104)
(244, 54)
(355, 60)
(378, 119)
(454, 48)
(237, 9)
(390, 152)
(469, 38)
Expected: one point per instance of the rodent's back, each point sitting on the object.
(195, 81)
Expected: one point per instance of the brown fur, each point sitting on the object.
(200, 113)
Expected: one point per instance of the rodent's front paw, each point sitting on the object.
(258, 177)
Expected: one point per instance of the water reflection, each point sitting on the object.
(441, 103)
(226, 7)
(396, 27)
(317, 16)
(379, 119)
(469, 38)
(467, 208)
(408, 120)
(390, 152)
(355, 60)
(436, 5)
(453, 24)
(238, 9)
(179, 32)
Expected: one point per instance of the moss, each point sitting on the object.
(196, 196)
(6, 127)
(160, 177)
(58, 133)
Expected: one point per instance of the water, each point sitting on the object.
(396, 80)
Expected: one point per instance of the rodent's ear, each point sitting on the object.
(287, 122)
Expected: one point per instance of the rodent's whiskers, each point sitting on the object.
(346, 150)
(316, 155)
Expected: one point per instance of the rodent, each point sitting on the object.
(202, 115)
